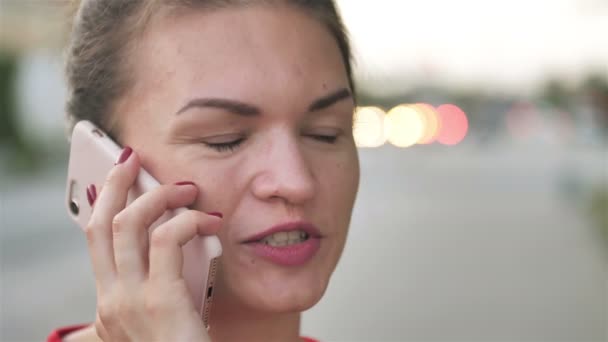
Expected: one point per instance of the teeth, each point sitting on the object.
(281, 236)
(285, 238)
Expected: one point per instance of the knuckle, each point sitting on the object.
(119, 222)
(191, 220)
(160, 237)
(91, 229)
(153, 305)
(106, 311)
(193, 217)
(160, 195)
(89, 232)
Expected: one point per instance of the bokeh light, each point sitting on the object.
(368, 127)
(431, 121)
(409, 124)
(404, 126)
(454, 124)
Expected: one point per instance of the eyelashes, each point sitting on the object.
(227, 146)
(328, 139)
(232, 145)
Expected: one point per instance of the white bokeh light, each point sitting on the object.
(403, 126)
(368, 128)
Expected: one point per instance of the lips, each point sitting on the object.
(291, 255)
(308, 228)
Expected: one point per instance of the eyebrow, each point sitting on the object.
(232, 106)
(328, 100)
(244, 109)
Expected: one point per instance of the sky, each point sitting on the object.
(511, 45)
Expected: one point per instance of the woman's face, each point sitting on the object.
(253, 105)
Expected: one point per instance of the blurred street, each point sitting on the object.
(446, 244)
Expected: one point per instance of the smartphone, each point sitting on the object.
(92, 156)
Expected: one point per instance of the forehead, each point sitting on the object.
(248, 52)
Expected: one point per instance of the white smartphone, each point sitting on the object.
(92, 155)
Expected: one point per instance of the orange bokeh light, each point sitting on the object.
(432, 124)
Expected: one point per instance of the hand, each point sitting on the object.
(141, 294)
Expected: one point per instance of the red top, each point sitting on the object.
(59, 334)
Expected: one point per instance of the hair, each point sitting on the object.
(98, 54)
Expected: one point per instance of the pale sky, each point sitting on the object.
(512, 45)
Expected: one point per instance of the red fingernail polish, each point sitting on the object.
(126, 152)
(215, 213)
(91, 194)
(185, 183)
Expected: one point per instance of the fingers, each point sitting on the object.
(166, 242)
(130, 226)
(121, 253)
(110, 202)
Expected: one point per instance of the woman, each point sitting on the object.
(243, 109)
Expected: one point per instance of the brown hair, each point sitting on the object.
(103, 31)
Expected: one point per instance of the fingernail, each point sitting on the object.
(185, 183)
(91, 194)
(126, 152)
(215, 213)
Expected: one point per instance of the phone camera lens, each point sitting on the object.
(74, 207)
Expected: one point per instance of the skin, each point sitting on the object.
(280, 61)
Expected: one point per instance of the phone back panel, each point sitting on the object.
(92, 156)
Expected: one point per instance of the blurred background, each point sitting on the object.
(483, 208)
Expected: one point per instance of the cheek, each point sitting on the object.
(219, 182)
(338, 184)
(222, 189)
(338, 187)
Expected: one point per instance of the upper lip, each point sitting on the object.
(307, 227)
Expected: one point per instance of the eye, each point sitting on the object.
(326, 135)
(224, 146)
(329, 139)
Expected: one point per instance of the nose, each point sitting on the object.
(285, 173)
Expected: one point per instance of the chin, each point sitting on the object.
(289, 300)
(272, 289)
